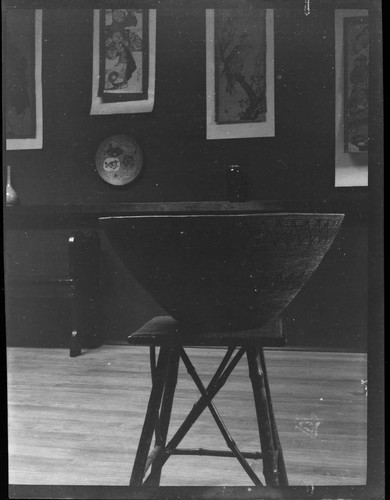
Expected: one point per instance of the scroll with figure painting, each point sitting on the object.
(351, 99)
(240, 86)
(23, 87)
(124, 61)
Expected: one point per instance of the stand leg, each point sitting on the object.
(166, 410)
(283, 480)
(270, 455)
(151, 419)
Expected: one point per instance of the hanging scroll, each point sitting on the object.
(124, 52)
(240, 73)
(352, 61)
(23, 79)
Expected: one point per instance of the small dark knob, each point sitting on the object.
(235, 183)
(74, 345)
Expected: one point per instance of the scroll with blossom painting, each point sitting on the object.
(240, 66)
(124, 55)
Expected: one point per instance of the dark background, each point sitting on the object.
(181, 165)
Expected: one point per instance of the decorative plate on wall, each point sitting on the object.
(119, 160)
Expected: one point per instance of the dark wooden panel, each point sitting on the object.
(46, 308)
(330, 311)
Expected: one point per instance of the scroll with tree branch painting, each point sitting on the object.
(240, 88)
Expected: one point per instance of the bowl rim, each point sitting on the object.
(225, 214)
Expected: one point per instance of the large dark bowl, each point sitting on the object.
(219, 272)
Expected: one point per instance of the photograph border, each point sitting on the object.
(375, 468)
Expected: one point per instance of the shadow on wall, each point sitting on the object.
(126, 305)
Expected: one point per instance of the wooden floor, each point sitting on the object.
(78, 420)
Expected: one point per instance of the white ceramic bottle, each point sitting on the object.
(11, 196)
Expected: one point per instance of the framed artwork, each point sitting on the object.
(240, 73)
(351, 113)
(124, 56)
(23, 79)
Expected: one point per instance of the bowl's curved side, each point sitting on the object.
(223, 272)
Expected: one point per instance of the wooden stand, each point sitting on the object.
(172, 338)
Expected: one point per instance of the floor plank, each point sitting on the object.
(78, 420)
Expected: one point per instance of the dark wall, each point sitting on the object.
(181, 165)
(298, 163)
